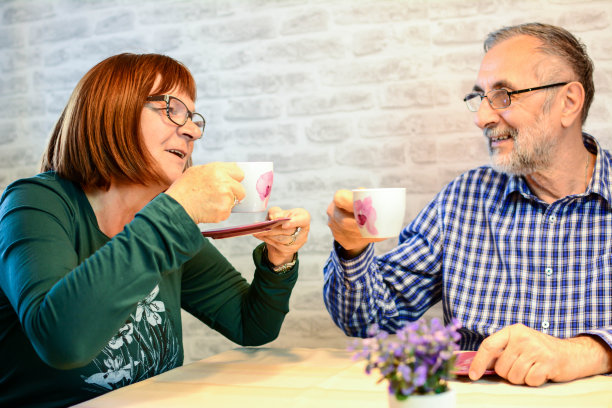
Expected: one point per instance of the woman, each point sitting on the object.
(99, 253)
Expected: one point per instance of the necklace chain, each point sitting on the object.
(586, 170)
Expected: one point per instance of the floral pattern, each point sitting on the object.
(150, 308)
(145, 346)
(124, 336)
(115, 373)
(365, 215)
(264, 186)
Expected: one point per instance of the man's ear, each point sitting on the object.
(573, 101)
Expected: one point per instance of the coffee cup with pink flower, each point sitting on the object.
(379, 212)
(257, 183)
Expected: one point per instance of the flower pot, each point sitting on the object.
(443, 400)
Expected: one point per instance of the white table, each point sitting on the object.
(321, 378)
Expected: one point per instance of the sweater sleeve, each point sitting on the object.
(68, 304)
(217, 294)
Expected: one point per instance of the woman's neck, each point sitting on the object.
(117, 206)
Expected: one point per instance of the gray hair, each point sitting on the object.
(558, 42)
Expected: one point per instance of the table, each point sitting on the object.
(322, 378)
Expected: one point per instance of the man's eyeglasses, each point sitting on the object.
(499, 98)
(177, 111)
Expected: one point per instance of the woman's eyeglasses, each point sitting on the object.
(177, 111)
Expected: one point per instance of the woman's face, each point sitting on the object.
(170, 145)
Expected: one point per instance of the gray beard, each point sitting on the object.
(532, 151)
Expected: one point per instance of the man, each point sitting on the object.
(519, 251)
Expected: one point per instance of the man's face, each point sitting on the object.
(522, 136)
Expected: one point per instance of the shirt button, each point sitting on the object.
(552, 218)
(548, 271)
(545, 324)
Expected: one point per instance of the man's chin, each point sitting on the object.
(503, 164)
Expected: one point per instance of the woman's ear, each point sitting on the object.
(573, 101)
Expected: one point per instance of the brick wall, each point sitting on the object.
(338, 93)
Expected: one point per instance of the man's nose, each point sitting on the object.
(486, 116)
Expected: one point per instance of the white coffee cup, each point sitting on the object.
(257, 183)
(379, 212)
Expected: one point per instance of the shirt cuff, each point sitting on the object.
(603, 334)
(354, 268)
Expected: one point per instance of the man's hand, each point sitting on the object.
(341, 222)
(526, 356)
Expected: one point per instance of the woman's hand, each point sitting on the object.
(284, 240)
(209, 192)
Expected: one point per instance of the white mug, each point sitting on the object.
(379, 212)
(257, 183)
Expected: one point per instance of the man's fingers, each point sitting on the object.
(536, 375)
(491, 348)
(344, 200)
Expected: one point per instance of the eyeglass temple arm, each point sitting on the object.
(536, 88)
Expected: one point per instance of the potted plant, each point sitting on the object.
(417, 363)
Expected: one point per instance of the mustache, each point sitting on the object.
(496, 132)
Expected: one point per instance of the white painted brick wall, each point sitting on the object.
(338, 93)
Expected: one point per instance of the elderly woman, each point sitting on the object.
(99, 252)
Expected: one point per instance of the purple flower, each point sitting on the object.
(418, 361)
(420, 376)
(407, 390)
(373, 330)
(405, 371)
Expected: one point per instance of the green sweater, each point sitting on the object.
(82, 314)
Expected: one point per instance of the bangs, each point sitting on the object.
(173, 76)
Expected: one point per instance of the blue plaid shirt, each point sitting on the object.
(495, 255)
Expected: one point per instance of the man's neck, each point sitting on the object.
(569, 174)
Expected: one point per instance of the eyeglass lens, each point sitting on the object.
(179, 114)
(498, 99)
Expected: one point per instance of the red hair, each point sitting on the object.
(97, 137)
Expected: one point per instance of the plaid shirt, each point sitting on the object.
(496, 255)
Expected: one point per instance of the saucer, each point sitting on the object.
(463, 361)
(247, 229)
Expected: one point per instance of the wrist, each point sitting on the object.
(350, 253)
(597, 354)
(281, 266)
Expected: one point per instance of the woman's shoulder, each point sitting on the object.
(44, 189)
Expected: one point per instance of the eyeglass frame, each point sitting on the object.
(190, 114)
(473, 95)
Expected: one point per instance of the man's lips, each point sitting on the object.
(499, 135)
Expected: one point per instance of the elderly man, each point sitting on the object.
(520, 251)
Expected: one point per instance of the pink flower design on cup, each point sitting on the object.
(365, 215)
(264, 186)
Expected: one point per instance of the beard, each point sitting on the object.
(532, 149)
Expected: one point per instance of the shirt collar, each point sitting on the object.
(600, 181)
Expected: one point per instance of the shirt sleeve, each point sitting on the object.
(70, 307)
(389, 289)
(217, 294)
